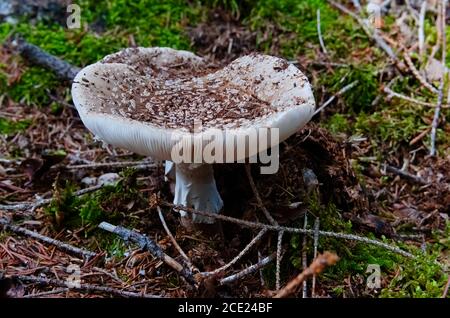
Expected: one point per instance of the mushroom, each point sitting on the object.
(171, 105)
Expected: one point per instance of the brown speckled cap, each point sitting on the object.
(146, 99)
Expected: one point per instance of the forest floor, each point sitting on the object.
(369, 149)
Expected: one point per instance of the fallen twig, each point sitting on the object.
(36, 55)
(421, 32)
(316, 267)
(249, 270)
(319, 33)
(437, 111)
(316, 244)
(61, 245)
(82, 287)
(238, 257)
(175, 243)
(405, 174)
(332, 98)
(46, 293)
(444, 294)
(147, 244)
(100, 165)
(371, 33)
(257, 196)
(390, 92)
(278, 228)
(304, 257)
(38, 203)
(417, 75)
(278, 263)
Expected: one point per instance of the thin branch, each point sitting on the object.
(332, 98)
(61, 245)
(319, 33)
(437, 111)
(82, 287)
(261, 274)
(257, 196)
(444, 294)
(316, 267)
(390, 92)
(175, 243)
(304, 257)
(99, 165)
(238, 257)
(316, 244)
(40, 202)
(277, 273)
(36, 55)
(277, 228)
(147, 244)
(405, 174)
(249, 270)
(421, 32)
(371, 32)
(417, 75)
(46, 293)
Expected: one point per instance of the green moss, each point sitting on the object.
(337, 123)
(390, 125)
(8, 127)
(361, 96)
(297, 21)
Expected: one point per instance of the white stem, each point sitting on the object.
(196, 188)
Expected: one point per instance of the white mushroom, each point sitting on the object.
(252, 93)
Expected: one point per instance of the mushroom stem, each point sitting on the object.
(195, 187)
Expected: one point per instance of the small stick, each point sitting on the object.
(417, 75)
(174, 242)
(47, 293)
(388, 91)
(36, 55)
(405, 175)
(277, 273)
(238, 257)
(248, 270)
(38, 203)
(99, 165)
(319, 33)
(316, 244)
(278, 228)
(147, 244)
(371, 33)
(332, 98)
(444, 294)
(421, 32)
(257, 196)
(261, 274)
(82, 287)
(316, 267)
(61, 245)
(304, 256)
(437, 111)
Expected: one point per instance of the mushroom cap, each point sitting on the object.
(147, 99)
